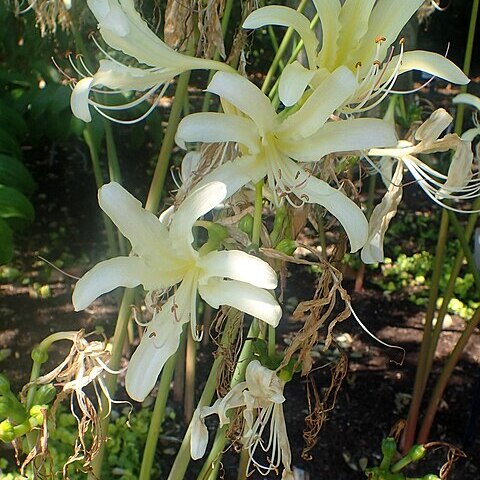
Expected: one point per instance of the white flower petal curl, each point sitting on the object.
(79, 99)
(293, 83)
(217, 127)
(242, 296)
(245, 96)
(197, 204)
(237, 265)
(285, 17)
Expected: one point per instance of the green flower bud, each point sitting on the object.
(7, 433)
(286, 246)
(217, 233)
(39, 355)
(431, 476)
(417, 452)
(36, 415)
(45, 394)
(389, 448)
(246, 224)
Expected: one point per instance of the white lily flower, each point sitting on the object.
(458, 184)
(474, 102)
(269, 143)
(261, 396)
(358, 35)
(123, 29)
(163, 257)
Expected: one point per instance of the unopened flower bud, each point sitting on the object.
(7, 433)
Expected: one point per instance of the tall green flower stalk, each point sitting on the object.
(431, 335)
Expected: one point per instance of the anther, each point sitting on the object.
(402, 41)
(380, 40)
(152, 335)
(358, 65)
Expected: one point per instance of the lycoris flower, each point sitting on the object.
(458, 184)
(261, 396)
(269, 143)
(164, 262)
(122, 28)
(358, 35)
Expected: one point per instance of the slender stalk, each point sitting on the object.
(163, 160)
(445, 376)
(182, 459)
(215, 455)
(114, 364)
(421, 374)
(257, 215)
(157, 419)
(423, 369)
(280, 52)
(225, 20)
(450, 289)
(115, 175)
(179, 376)
(189, 398)
(97, 173)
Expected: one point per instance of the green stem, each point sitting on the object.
(423, 369)
(183, 456)
(111, 380)
(225, 20)
(467, 63)
(445, 376)
(257, 215)
(281, 52)
(421, 375)
(115, 175)
(163, 161)
(157, 419)
(215, 455)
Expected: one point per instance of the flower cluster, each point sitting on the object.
(296, 147)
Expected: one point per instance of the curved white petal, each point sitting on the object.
(460, 169)
(293, 82)
(244, 297)
(79, 99)
(326, 98)
(236, 174)
(245, 96)
(197, 204)
(339, 205)
(431, 63)
(110, 274)
(430, 130)
(328, 12)
(121, 77)
(285, 17)
(467, 98)
(383, 213)
(471, 134)
(386, 20)
(142, 228)
(199, 437)
(353, 18)
(218, 127)
(342, 136)
(159, 342)
(237, 265)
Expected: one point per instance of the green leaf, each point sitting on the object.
(9, 144)
(15, 208)
(14, 174)
(6, 242)
(12, 122)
